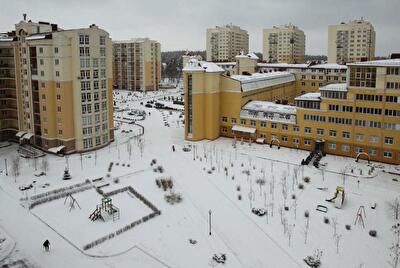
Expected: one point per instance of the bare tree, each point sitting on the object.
(394, 207)
(45, 164)
(395, 248)
(15, 167)
(289, 234)
(337, 239)
(334, 225)
(260, 183)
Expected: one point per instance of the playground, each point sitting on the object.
(91, 215)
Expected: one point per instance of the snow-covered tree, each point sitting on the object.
(394, 207)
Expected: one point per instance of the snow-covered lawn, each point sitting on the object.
(213, 176)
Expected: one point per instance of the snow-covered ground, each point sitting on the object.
(212, 176)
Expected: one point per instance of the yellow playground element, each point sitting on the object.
(338, 197)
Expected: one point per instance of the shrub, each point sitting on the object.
(293, 196)
(209, 171)
(348, 227)
(306, 214)
(239, 197)
(213, 168)
(238, 188)
(116, 180)
(300, 186)
(233, 177)
(286, 208)
(326, 220)
(117, 163)
(306, 179)
(373, 233)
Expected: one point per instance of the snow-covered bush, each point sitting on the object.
(306, 179)
(326, 220)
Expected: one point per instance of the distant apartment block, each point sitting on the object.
(284, 44)
(56, 87)
(225, 42)
(137, 64)
(351, 42)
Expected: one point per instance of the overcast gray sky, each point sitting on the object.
(181, 24)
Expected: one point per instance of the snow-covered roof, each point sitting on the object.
(283, 65)
(5, 38)
(266, 106)
(28, 135)
(378, 63)
(329, 66)
(37, 36)
(226, 63)
(244, 129)
(315, 96)
(334, 87)
(56, 149)
(262, 80)
(194, 65)
(252, 56)
(20, 134)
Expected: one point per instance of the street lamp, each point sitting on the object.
(209, 221)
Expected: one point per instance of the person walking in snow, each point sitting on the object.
(46, 245)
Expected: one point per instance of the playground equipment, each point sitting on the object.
(338, 197)
(105, 210)
(322, 208)
(360, 216)
(72, 202)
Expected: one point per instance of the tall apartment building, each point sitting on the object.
(137, 64)
(225, 42)
(351, 42)
(359, 118)
(285, 43)
(58, 88)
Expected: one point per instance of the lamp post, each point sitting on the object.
(209, 221)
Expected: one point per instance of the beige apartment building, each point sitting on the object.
(137, 64)
(225, 42)
(58, 91)
(286, 43)
(351, 42)
(356, 118)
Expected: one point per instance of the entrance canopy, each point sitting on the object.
(20, 134)
(243, 129)
(56, 149)
(27, 136)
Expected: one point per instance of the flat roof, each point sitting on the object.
(266, 106)
(315, 96)
(262, 80)
(377, 63)
(194, 65)
(334, 87)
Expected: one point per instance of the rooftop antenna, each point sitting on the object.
(24, 15)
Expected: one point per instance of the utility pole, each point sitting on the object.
(209, 221)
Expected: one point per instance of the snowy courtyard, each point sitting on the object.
(255, 204)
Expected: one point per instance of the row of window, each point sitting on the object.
(85, 74)
(88, 96)
(369, 97)
(86, 85)
(317, 118)
(87, 108)
(393, 71)
(341, 108)
(371, 151)
(85, 62)
(393, 85)
(88, 142)
(84, 40)
(334, 95)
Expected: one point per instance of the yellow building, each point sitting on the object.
(286, 43)
(225, 42)
(137, 64)
(351, 42)
(63, 87)
(359, 118)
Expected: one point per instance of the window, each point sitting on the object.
(388, 140)
(296, 128)
(102, 41)
(86, 39)
(40, 50)
(87, 51)
(345, 148)
(332, 146)
(332, 133)
(58, 97)
(56, 61)
(358, 149)
(103, 51)
(387, 154)
(45, 131)
(373, 139)
(60, 132)
(58, 108)
(307, 142)
(307, 130)
(44, 108)
(224, 119)
(263, 124)
(233, 120)
(243, 121)
(58, 85)
(285, 127)
(373, 152)
(296, 140)
(274, 125)
(56, 50)
(41, 61)
(346, 135)
(359, 137)
(41, 73)
(320, 131)
(284, 138)
(81, 39)
(87, 143)
(57, 73)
